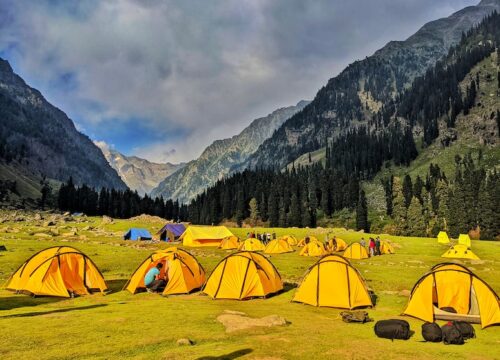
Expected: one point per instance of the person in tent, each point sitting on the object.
(274, 235)
(327, 238)
(306, 240)
(362, 242)
(334, 243)
(268, 237)
(153, 281)
(372, 247)
(377, 246)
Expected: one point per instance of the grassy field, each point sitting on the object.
(147, 326)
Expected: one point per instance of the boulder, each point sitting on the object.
(38, 217)
(240, 321)
(48, 223)
(42, 235)
(185, 342)
(106, 220)
(405, 293)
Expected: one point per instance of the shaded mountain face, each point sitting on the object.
(356, 94)
(139, 174)
(40, 139)
(221, 156)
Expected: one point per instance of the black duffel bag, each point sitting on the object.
(465, 329)
(432, 332)
(393, 329)
(451, 335)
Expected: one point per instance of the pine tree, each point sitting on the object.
(273, 208)
(294, 216)
(362, 213)
(407, 190)
(254, 211)
(240, 208)
(415, 220)
(399, 208)
(442, 211)
(282, 221)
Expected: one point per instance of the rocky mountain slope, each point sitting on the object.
(37, 138)
(139, 174)
(359, 92)
(221, 156)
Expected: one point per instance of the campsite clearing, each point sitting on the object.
(148, 326)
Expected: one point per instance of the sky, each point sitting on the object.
(163, 79)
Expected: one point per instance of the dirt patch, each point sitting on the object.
(235, 321)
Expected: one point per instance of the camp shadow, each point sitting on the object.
(288, 287)
(38, 313)
(115, 285)
(234, 355)
(14, 302)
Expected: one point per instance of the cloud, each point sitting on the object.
(201, 69)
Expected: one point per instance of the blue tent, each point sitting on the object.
(171, 231)
(137, 234)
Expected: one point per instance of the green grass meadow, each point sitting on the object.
(147, 326)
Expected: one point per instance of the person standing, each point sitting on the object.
(377, 246)
(372, 247)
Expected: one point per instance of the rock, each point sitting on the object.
(86, 228)
(42, 235)
(54, 232)
(184, 342)
(71, 233)
(38, 217)
(67, 213)
(82, 237)
(19, 218)
(48, 223)
(405, 293)
(236, 322)
(106, 220)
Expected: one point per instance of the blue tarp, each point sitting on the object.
(176, 229)
(137, 234)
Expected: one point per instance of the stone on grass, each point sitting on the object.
(240, 321)
(184, 342)
(406, 293)
(42, 235)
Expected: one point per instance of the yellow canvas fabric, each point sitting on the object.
(291, 240)
(184, 272)
(453, 285)
(204, 235)
(460, 251)
(356, 251)
(386, 248)
(333, 282)
(252, 244)
(464, 239)
(243, 275)
(231, 242)
(278, 246)
(341, 245)
(313, 249)
(443, 238)
(302, 242)
(58, 271)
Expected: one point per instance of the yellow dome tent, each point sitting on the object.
(313, 249)
(58, 271)
(291, 240)
(341, 245)
(356, 251)
(204, 235)
(464, 239)
(243, 275)
(460, 251)
(184, 272)
(252, 244)
(302, 242)
(278, 246)
(333, 282)
(386, 247)
(455, 286)
(443, 238)
(231, 242)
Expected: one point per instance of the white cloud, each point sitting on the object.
(207, 68)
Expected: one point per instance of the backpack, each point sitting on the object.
(465, 329)
(432, 332)
(393, 329)
(451, 335)
(358, 316)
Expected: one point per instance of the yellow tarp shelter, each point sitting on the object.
(243, 275)
(302, 242)
(341, 245)
(231, 242)
(252, 244)
(464, 239)
(460, 251)
(204, 235)
(291, 240)
(184, 273)
(313, 249)
(58, 271)
(386, 247)
(356, 251)
(333, 282)
(443, 238)
(278, 246)
(455, 286)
